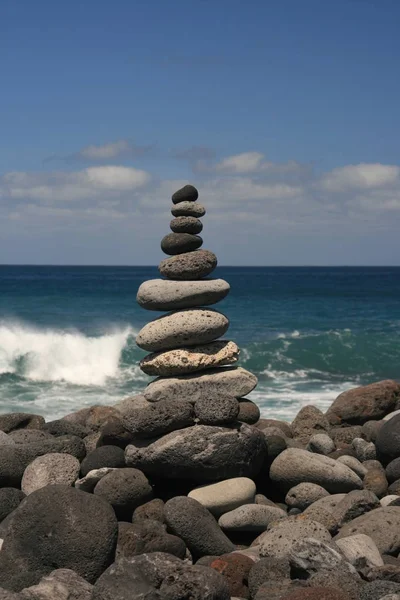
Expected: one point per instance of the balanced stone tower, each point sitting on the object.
(192, 421)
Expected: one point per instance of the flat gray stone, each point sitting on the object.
(304, 494)
(188, 209)
(190, 360)
(201, 453)
(164, 294)
(360, 551)
(231, 381)
(294, 466)
(279, 540)
(50, 469)
(251, 517)
(381, 524)
(188, 327)
(186, 225)
(225, 496)
(189, 266)
(158, 418)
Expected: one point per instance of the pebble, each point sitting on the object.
(225, 496)
(364, 450)
(180, 243)
(163, 294)
(104, 456)
(189, 266)
(294, 466)
(304, 494)
(251, 517)
(354, 464)
(147, 536)
(186, 225)
(188, 327)
(188, 193)
(388, 499)
(360, 551)
(193, 523)
(50, 469)
(321, 443)
(201, 453)
(279, 540)
(231, 381)
(248, 411)
(189, 360)
(88, 483)
(125, 489)
(188, 209)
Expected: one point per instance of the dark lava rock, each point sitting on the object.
(12, 466)
(393, 470)
(375, 590)
(12, 421)
(365, 403)
(125, 490)
(158, 418)
(316, 593)
(388, 440)
(189, 520)
(114, 433)
(268, 569)
(159, 576)
(201, 453)
(61, 527)
(10, 499)
(189, 266)
(93, 417)
(104, 456)
(342, 436)
(235, 568)
(148, 536)
(340, 579)
(153, 510)
(309, 420)
(186, 225)
(394, 488)
(188, 193)
(216, 410)
(370, 430)
(26, 436)
(248, 411)
(282, 425)
(61, 427)
(179, 243)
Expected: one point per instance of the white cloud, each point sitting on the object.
(60, 186)
(105, 151)
(360, 177)
(247, 162)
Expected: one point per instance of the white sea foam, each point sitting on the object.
(57, 355)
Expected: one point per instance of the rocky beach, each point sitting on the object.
(184, 492)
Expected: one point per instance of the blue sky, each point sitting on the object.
(283, 113)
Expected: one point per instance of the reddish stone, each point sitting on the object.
(236, 568)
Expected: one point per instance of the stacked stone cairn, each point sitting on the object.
(183, 492)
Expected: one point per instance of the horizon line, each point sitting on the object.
(294, 266)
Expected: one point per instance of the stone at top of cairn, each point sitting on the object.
(197, 389)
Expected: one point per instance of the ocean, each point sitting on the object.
(67, 334)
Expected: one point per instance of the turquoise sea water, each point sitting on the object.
(67, 334)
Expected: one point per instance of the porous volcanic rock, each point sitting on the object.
(186, 225)
(189, 266)
(188, 209)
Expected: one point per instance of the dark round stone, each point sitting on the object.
(125, 489)
(58, 527)
(114, 433)
(388, 440)
(11, 421)
(393, 470)
(153, 510)
(187, 193)
(189, 266)
(10, 499)
(179, 243)
(148, 536)
(248, 411)
(103, 456)
(186, 225)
